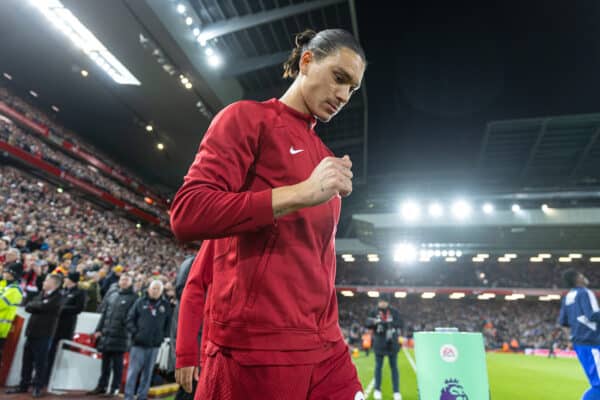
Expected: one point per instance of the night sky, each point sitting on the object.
(439, 72)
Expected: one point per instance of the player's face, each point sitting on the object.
(328, 83)
(584, 280)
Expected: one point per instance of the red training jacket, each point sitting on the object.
(272, 280)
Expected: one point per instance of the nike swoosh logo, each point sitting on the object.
(294, 151)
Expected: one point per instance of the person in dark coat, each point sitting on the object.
(387, 325)
(73, 305)
(44, 309)
(148, 322)
(112, 336)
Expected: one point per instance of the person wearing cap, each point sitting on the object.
(73, 304)
(11, 296)
(386, 323)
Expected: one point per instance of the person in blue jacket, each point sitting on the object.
(580, 312)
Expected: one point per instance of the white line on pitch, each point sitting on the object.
(410, 359)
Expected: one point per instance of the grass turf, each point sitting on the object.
(511, 376)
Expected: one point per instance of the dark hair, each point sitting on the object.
(570, 276)
(322, 44)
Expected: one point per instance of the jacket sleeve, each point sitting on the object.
(132, 317)
(37, 306)
(191, 310)
(589, 305)
(212, 202)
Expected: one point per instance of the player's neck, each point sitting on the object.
(293, 98)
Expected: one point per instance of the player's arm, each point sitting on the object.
(563, 318)
(589, 305)
(211, 202)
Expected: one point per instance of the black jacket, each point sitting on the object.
(73, 304)
(44, 314)
(112, 325)
(148, 321)
(386, 325)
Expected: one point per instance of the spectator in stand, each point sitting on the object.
(148, 323)
(73, 304)
(44, 309)
(112, 336)
(11, 296)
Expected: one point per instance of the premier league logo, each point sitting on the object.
(453, 390)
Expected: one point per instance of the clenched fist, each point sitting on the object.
(333, 176)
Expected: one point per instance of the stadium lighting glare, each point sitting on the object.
(545, 208)
(56, 109)
(488, 208)
(451, 253)
(84, 73)
(196, 32)
(138, 226)
(348, 257)
(160, 146)
(215, 61)
(451, 259)
(461, 209)
(189, 21)
(575, 255)
(188, 86)
(550, 297)
(7, 76)
(515, 208)
(510, 255)
(373, 293)
(483, 255)
(405, 253)
(459, 253)
(514, 296)
(536, 259)
(59, 190)
(478, 260)
(594, 259)
(181, 8)
(65, 21)
(209, 52)
(347, 293)
(410, 211)
(400, 295)
(444, 253)
(149, 128)
(503, 259)
(373, 257)
(457, 295)
(428, 295)
(564, 259)
(436, 210)
(34, 94)
(545, 255)
(437, 253)
(486, 296)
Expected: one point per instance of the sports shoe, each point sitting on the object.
(397, 396)
(377, 394)
(96, 391)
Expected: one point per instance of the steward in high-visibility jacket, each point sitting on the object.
(11, 296)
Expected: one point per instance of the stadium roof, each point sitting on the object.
(158, 41)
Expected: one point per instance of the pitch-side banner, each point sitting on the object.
(451, 366)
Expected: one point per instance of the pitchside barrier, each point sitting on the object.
(451, 365)
(77, 365)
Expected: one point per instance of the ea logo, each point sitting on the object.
(449, 353)
(359, 396)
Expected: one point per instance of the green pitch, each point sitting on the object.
(511, 376)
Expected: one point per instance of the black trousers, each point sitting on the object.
(35, 358)
(111, 361)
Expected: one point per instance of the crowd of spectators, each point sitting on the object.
(532, 324)
(33, 144)
(520, 272)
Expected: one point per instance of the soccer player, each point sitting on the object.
(265, 193)
(580, 312)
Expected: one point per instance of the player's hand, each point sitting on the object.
(97, 334)
(332, 177)
(185, 377)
